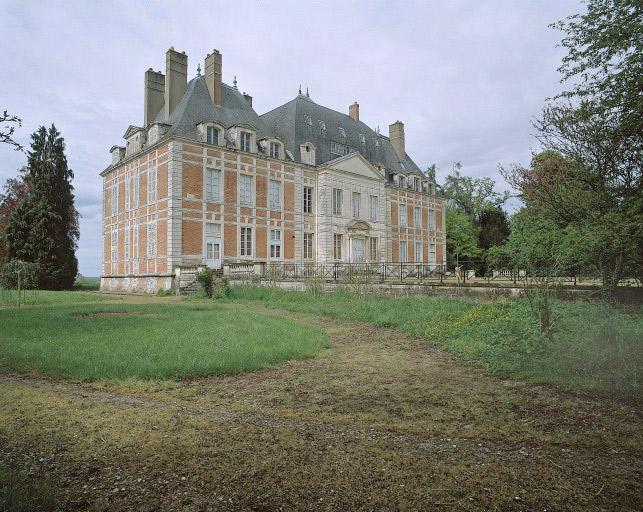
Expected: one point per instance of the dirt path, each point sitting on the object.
(379, 421)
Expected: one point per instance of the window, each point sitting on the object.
(337, 246)
(212, 246)
(338, 149)
(357, 199)
(274, 195)
(151, 240)
(212, 229)
(372, 248)
(114, 245)
(212, 135)
(126, 243)
(402, 214)
(115, 198)
(418, 252)
(245, 190)
(151, 183)
(308, 199)
(135, 243)
(212, 184)
(337, 201)
(403, 252)
(136, 187)
(127, 192)
(275, 243)
(417, 217)
(246, 241)
(431, 218)
(373, 207)
(274, 149)
(308, 246)
(432, 254)
(402, 181)
(244, 141)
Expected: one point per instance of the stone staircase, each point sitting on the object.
(186, 279)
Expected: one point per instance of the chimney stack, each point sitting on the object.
(396, 135)
(353, 111)
(176, 79)
(154, 95)
(248, 98)
(213, 63)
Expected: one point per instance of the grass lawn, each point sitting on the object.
(146, 341)
(595, 346)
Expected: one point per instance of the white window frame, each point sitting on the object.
(151, 239)
(373, 252)
(246, 196)
(338, 200)
(432, 218)
(308, 199)
(207, 134)
(432, 254)
(373, 207)
(338, 242)
(126, 243)
(152, 174)
(127, 192)
(114, 245)
(115, 197)
(275, 149)
(212, 184)
(276, 251)
(417, 216)
(274, 194)
(135, 242)
(419, 256)
(401, 212)
(243, 136)
(356, 200)
(136, 187)
(245, 241)
(404, 243)
(309, 243)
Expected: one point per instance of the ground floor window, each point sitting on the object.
(372, 248)
(308, 246)
(337, 246)
(275, 243)
(418, 252)
(432, 254)
(246, 241)
(403, 252)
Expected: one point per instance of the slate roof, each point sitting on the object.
(302, 120)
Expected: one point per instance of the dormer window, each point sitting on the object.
(212, 135)
(307, 152)
(245, 139)
(275, 150)
(342, 133)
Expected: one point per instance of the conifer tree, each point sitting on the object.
(43, 227)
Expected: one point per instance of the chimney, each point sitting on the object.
(396, 134)
(353, 111)
(154, 95)
(213, 75)
(176, 79)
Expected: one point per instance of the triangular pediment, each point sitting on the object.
(354, 163)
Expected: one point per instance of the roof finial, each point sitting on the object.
(234, 82)
(307, 95)
(300, 89)
(198, 70)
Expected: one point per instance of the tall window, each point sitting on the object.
(418, 252)
(135, 192)
(372, 248)
(403, 252)
(431, 218)
(126, 240)
(308, 246)
(151, 183)
(246, 241)
(337, 246)
(417, 217)
(245, 190)
(402, 214)
(373, 208)
(244, 141)
(135, 247)
(308, 199)
(114, 245)
(151, 239)
(357, 200)
(432, 254)
(212, 135)
(115, 198)
(274, 149)
(274, 195)
(127, 192)
(212, 184)
(275, 243)
(337, 201)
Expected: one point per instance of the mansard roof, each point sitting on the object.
(302, 120)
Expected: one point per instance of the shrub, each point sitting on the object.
(166, 293)
(206, 279)
(28, 273)
(220, 288)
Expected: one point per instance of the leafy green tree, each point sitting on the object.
(462, 236)
(493, 228)
(43, 227)
(14, 190)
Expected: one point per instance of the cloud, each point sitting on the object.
(466, 77)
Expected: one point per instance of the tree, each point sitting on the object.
(8, 124)
(461, 236)
(43, 227)
(14, 190)
(431, 171)
(494, 228)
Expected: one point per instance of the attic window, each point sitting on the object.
(308, 120)
(338, 149)
(322, 126)
(402, 166)
(342, 132)
(362, 138)
(377, 143)
(212, 135)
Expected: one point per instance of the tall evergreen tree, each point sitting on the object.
(43, 227)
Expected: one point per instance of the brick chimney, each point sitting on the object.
(353, 111)
(248, 98)
(176, 79)
(396, 134)
(154, 95)
(213, 62)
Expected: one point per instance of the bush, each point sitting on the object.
(28, 275)
(220, 288)
(206, 279)
(166, 293)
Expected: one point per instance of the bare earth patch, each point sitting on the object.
(379, 421)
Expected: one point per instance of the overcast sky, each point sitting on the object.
(465, 77)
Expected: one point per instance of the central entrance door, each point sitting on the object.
(213, 252)
(357, 250)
